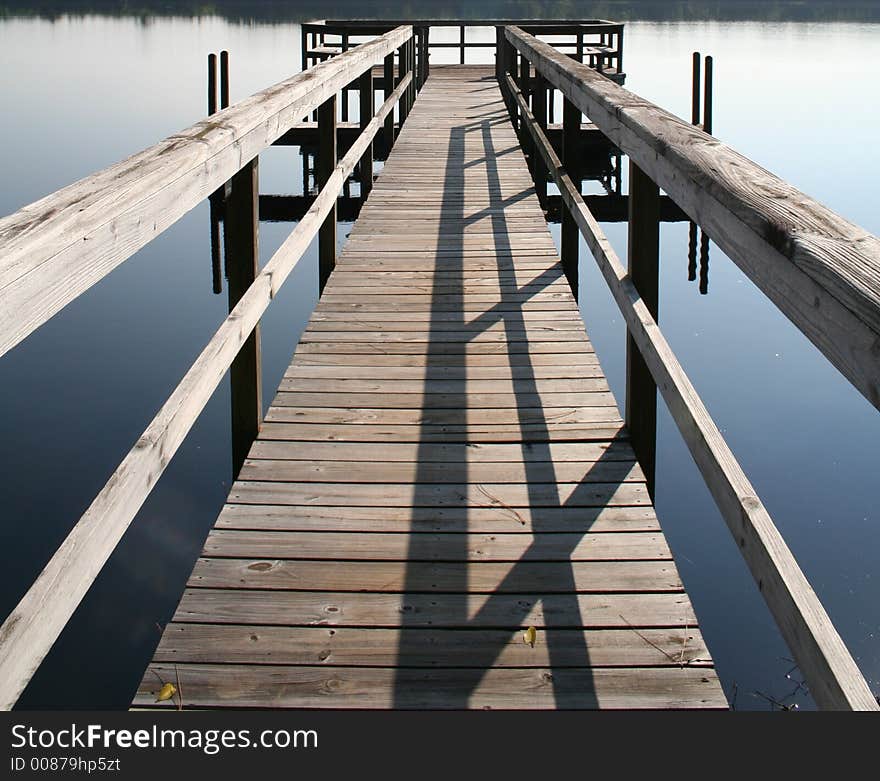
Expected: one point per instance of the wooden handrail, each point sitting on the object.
(56, 248)
(833, 677)
(819, 269)
(32, 628)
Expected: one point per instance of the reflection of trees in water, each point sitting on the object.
(298, 10)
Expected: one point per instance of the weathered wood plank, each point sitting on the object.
(364, 687)
(499, 611)
(524, 577)
(424, 546)
(332, 647)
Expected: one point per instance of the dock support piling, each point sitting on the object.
(324, 166)
(241, 238)
(388, 76)
(539, 109)
(367, 103)
(644, 270)
(707, 97)
(695, 90)
(569, 233)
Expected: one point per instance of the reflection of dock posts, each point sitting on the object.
(704, 263)
(539, 109)
(388, 76)
(324, 166)
(569, 234)
(241, 237)
(644, 267)
(367, 103)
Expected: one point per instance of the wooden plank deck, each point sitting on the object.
(443, 467)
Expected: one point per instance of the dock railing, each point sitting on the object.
(820, 270)
(55, 249)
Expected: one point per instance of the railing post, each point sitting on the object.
(411, 90)
(344, 107)
(367, 106)
(241, 239)
(388, 76)
(569, 243)
(423, 56)
(461, 44)
(215, 199)
(539, 109)
(525, 138)
(644, 271)
(499, 70)
(324, 166)
(402, 68)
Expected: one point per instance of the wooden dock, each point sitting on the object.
(442, 507)
(443, 467)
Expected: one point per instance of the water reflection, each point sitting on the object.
(804, 436)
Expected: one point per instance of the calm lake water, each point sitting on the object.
(80, 93)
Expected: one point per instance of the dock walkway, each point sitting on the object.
(443, 467)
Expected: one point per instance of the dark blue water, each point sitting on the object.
(79, 94)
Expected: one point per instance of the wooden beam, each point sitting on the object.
(33, 626)
(56, 248)
(643, 251)
(324, 168)
(366, 100)
(569, 240)
(834, 679)
(241, 238)
(822, 271)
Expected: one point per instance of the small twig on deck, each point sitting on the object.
(665, 653)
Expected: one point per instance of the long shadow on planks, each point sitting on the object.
(569, 657)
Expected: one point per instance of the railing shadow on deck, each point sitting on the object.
(516, 596)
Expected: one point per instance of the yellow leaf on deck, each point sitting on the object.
(166, 692)
(530, 635)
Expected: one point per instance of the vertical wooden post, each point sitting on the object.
(695, 90)
(422, 56)
(644, 270)
(580, 45)
(367, 106)
(304, 45)
(215, 202)
(402, 68)
(707, 97)
(412, 69)
(525, 138)
(324, 166)
(426, 46)
(539, 109)
(241, 239)
(620, 50)
(344, 109)
(212, 84)
(461, 44)
(499, 70)
(224, 79)
(388, 76)
(569, 239)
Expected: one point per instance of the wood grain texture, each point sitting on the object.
(442, 467)
(822, 271)
(56, 248)
(834, 679)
